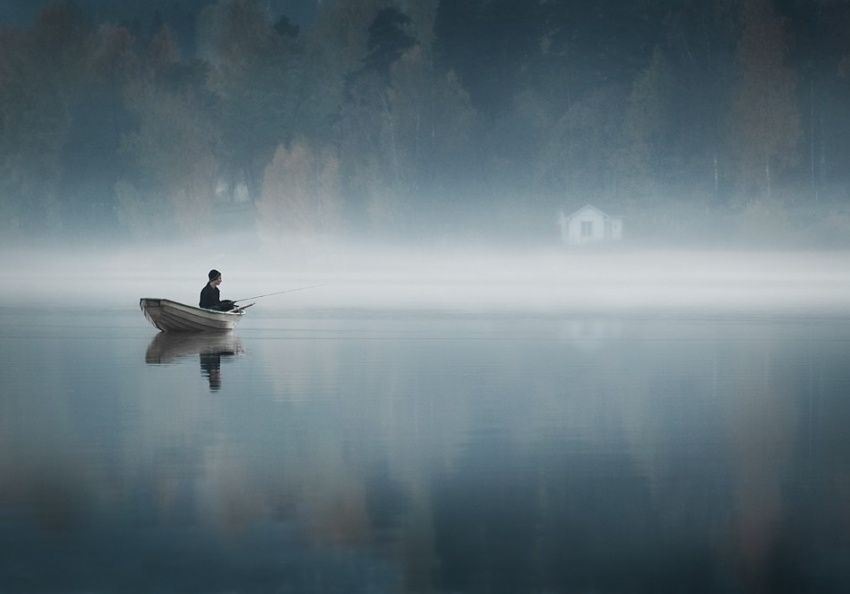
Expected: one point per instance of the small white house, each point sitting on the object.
(589, 225)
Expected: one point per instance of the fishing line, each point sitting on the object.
(278, 293)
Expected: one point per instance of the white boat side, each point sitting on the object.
(172, 316)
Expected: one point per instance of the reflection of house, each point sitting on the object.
(589, 225)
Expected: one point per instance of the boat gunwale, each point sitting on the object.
(192, 308)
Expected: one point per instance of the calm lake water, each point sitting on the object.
(378, 452)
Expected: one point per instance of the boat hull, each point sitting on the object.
(171, 316)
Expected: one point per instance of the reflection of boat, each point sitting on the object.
(165, 347)
(171, 316)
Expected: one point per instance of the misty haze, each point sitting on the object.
(438, 296)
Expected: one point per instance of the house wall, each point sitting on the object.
(589, 225)
(573, 232)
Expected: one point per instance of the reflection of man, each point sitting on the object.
(211, 369)
(210, 295)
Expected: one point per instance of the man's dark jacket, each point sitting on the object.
(210, 297)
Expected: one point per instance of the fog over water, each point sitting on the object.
(530, 281)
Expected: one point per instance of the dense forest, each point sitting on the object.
(697, 120)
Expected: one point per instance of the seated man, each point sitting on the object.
(210, 295)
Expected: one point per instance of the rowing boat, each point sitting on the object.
(171, 316)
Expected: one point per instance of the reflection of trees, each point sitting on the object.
(514, 463)
(621, 468)
(651, 462)
(560, 523)
(583, 510)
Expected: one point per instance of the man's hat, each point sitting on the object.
(214, 274)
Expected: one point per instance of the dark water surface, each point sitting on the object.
(424, 453)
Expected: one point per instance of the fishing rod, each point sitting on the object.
(278, 293)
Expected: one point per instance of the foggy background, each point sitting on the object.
(293, 142)
(704, 123)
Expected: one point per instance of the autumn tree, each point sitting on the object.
(300, 195)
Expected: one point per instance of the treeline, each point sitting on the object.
(431, 118)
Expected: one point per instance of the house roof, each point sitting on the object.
(586, 207)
